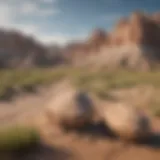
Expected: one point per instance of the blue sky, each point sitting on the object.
(63, 20)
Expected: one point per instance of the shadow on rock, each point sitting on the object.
(99, 130)
(153, 141)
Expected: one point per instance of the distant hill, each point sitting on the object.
(19, 50)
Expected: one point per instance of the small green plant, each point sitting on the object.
(154, 105)
(15, 138)
(156, 109)
(157, 112)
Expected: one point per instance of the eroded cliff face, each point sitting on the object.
(134, 40)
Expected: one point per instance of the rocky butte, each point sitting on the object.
(133, 43)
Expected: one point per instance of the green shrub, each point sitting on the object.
(157, 112)
(155, 107)
(15, 138)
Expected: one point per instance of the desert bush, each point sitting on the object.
(16, 137)
(155, 107)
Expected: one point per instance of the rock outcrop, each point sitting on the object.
(140, 30)
(126, 121)
(97, 39)
(70, 108)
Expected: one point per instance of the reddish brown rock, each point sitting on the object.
(132, 39)
(98, 36)
(144, 30)
(120, 34)
(156, 17)
(127, 121)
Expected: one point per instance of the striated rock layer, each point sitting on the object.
(133, 43)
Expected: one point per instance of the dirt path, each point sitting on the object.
(99, 146)
(25, 105)
(19, 108)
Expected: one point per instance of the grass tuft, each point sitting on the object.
(16, 138)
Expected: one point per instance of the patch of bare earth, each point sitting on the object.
(90, 145)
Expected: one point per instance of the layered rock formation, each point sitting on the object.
(134, 41)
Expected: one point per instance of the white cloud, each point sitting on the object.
(28, 8)
(7, 14)
(11, 10)
(27, 29)
(48, 1)
(59, 38)
(62, 39)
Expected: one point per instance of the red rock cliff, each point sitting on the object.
(139, 29)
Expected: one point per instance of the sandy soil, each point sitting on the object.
(93, 144)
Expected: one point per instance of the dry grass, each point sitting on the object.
(102, 82)
(83, 78)
(98, 82)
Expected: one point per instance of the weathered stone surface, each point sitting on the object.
(126, 121)
(70, 108)
(135, 40)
